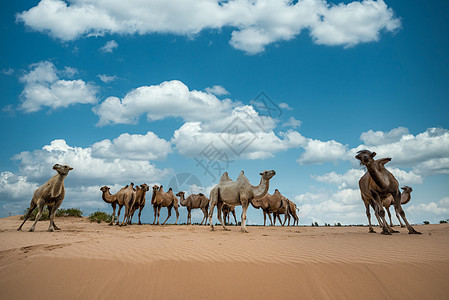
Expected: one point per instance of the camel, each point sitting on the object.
(51, 194)
(239, 192)
(405, 198)
(111, 199)
(292, 209)
(161, 199)
(272, 204)
(375, 185)
(139, 202)
(227, 211)
(194, 202)
(125, 197)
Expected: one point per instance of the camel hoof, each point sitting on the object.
(50, 230)
(394, 231)
(372, 231)
(19, 229)
(110, 224)
(140, 223)
(402, 226)
(31, 230)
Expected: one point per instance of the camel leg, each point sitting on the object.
(368, 215)
(30, 211)
(235, 219)
(389, 216)
(118, 214)
(155, 213)
(159, 207)
(177, 215)
(169, 213)
(285, 219)
(225, 218)
(204, 216)
(219, 207)
(125, 217)
(264, 217)
(140, 212)
(189, 210)
(40, 207)
(213, 202)
(399, 219)
(51, 214)
(386, 230)
(269, 216)
(244, 209)
(398, 207)
(114, 205)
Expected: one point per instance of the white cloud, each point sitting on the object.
(427, 152)
(109, 47)
(292, 122)
(8, 71)
(440, 208)
(134, 147)
(16, 186)
(217, 90)
(317, 152)
(105, 78)
(255, 24)
(44, 88)
(88, 170)
(284, 105)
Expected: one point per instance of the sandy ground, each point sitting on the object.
(95, 261)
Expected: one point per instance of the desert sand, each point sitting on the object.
(95, 261)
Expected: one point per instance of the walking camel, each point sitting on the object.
(239, 192)
(227, 211)
(194, 201)
(51, 194)
(161, 199)
(376, 184)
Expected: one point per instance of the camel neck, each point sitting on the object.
(405, 197)
(58, 184)
(262, 189)
(375, 175)
(107, 197)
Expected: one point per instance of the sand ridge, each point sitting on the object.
(192, 262)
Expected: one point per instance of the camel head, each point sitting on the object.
(62, 169)
(267, 175)
(145, 187)
(155, 188)
(104, 189)
(180, 193)
(407, 189)
(365, 157)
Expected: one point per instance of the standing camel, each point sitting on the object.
(125, 197)
(139, 202)
(227, 211)
(51, 194)
(161, 199)
(194, 202)
(376, 184)
(239, 192)
(111, 199)
(272, 204)
(405, 198)
(292, 209)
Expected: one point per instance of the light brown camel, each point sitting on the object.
(111, 199)
(272, 204)
(51, 194)
(194, 201)
(376, 184)
(239, 192)
(405, 198)
(125, 197)
(227, 211)
(292, 209)
(161, 199)
(139, 202)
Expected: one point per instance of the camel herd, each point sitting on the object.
(378, 188)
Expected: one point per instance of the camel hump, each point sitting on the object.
(383, 161)
(170, 189)
(225, 178)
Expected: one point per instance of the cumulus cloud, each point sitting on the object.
(109, 47)
(217, 90)
(16, 186)
(255, 24)
(427, 152)
(106, 78)
(317, 152)
(8, 71)
(44, 88)
(37, 165)
(134, 147)
(439, 208)
(292, 122)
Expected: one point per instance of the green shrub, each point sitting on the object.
(426, 222)
(99, 216)
(69, 212)
(443, 221)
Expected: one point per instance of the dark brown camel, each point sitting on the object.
(376, 184)
(227, 211)
(139, 202)
(161, 199)
(194, 201)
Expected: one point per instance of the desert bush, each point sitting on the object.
(69, 212)
(443, 221)
(426, 222)
(99, 216)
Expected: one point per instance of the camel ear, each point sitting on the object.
(373, 154)
(70, 168)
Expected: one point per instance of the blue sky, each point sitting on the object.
(124, 94)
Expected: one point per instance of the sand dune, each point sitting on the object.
(90, 260)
